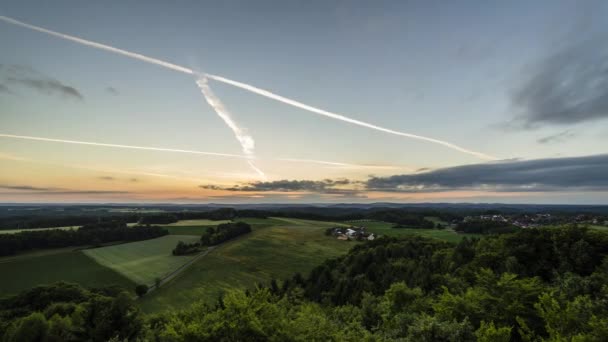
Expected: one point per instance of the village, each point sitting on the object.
(541, 219)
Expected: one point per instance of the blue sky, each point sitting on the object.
(447, 70)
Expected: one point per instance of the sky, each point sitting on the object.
(521, 85)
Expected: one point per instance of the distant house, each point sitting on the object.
(350, 232)
(342, 237)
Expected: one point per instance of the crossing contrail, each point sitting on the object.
(247, 87)
(246, 141)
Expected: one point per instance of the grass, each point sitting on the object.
(274, 249)
(143, 261)
(29, 270)
(385, 228)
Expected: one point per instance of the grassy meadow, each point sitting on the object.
(276, 248)
(49, 266)
(143, 261)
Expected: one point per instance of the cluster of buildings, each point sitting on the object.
(352, 233)
(540, 219)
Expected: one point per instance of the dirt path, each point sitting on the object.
(182, 268)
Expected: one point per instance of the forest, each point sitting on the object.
(531, 285)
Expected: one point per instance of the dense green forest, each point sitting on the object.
(531, 285)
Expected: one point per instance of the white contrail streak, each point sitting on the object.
(25, 137)
(247, 87)
(98, 45)
(246, 141)
(162, 149)
(340, 117)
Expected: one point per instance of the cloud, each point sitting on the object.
(556, 138)
(34, 190)
(26, 187)
(5, 89)
(112, 91)
(566, 88)
(558, 174)
(106, 178)
(24, 76)
(327, 186)
(70, 192)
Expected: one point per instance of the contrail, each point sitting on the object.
(246, 141)
(25, 137)
(247, 87)
(98, 45)
(340, 117)
(162, 149)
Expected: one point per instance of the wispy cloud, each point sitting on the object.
(27, 188)
(112, 91)
(36, 190)
(557, 138)
(23, 76)
(566, 88)
(106, 178)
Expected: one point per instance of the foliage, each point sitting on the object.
(141, 290)
(533, 285)
(224, 232)
(183, 248)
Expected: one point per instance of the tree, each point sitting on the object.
(141, 290)
(487, 332)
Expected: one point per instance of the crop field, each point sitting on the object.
(45, 267)
(143, 261)
(274, 249)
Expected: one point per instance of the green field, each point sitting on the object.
(143, 261)
(385, 228)
(45, 267)
(274, 249)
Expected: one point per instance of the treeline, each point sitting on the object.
(91, 234)
(485, 227)
(532, 285)
(171, 217)
(183, 248)
(50, 221)
(68, 312)
(224, 232)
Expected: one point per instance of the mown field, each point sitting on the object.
(385, 228)
(143, 261)
(45, 267)
(276, 248)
